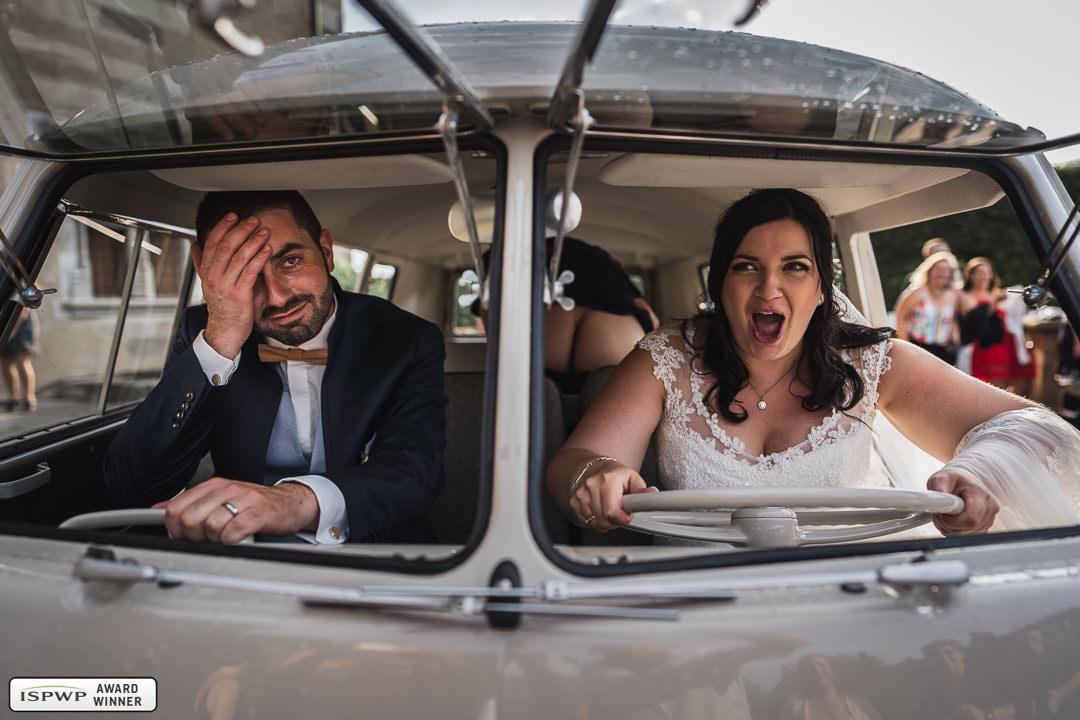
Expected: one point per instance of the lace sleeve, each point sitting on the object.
(667, 358)
(1029, 460)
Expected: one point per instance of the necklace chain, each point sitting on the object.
(761, 404)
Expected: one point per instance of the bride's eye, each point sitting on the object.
(742, 266)
(797, 267)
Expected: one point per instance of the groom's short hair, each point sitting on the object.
(215, 205)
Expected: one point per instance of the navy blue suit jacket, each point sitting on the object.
(383, 419)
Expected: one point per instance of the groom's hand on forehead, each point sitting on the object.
(231, 238)
(229, 264)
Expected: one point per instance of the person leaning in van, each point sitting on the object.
(323, 411)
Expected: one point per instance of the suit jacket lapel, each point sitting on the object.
(342, 385)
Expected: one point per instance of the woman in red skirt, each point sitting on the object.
(996, 337)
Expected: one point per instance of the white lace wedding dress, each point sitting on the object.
(1028, 459)
(694, 451)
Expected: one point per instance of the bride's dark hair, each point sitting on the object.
(832, 381)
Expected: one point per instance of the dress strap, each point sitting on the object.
(667, 358)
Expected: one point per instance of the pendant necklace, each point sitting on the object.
(761, 404)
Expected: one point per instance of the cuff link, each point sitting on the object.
(215, 379)
(335, 533)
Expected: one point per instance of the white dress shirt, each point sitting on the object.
(305, 391)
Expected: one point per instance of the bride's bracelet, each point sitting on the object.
(581, 475)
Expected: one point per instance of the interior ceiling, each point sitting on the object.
(646, 209)
(329, 174)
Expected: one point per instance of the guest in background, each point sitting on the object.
(993, 328)
(927, 315)
(16, 362)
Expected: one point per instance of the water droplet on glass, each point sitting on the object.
(767, 62)
(632, 55)
(746, 62)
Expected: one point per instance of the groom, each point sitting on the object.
(323, 411)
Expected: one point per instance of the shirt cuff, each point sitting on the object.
(333, 523)
(217, 367)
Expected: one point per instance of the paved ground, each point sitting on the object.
(49, 413)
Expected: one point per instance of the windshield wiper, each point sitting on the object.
(101, 565)
(26, 292)
(1036, 293)
(554, 597)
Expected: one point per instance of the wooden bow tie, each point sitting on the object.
(271, 353)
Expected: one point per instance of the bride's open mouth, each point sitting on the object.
(767, 326)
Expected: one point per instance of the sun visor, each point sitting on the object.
(696, 171)
(336, 174)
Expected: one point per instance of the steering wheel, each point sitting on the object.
(764, 517)
(121, 518)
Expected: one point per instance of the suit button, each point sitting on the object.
(179, 416)
(216, 379)
(189, 397)
(335, 533)
(175, 425)
(185, 405)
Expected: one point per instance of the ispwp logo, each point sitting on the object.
(82, 694)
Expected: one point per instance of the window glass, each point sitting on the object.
(463, 294)
(381, 281)
(691, 442)
(55, 360)
(147, 333)
(349, 266)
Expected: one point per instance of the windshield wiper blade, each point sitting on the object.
(99, 566)
(1036, 293)
(129, 571)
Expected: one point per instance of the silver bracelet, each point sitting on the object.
(581, 475)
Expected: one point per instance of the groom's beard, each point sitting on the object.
(309, 324)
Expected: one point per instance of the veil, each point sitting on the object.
(1028, 459)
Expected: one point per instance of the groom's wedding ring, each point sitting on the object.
(235, 510)
(589, 520)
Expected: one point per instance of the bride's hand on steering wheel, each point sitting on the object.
(597, 502)
(980, 507)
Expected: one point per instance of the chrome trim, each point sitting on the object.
(69, 208)
(448, 127)
(429, 58)
(135, 243)
(183, 297)
(579, 127)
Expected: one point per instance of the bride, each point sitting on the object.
(774, 387)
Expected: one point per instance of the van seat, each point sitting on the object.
(453, 514)
(590, 391)
(465, 356)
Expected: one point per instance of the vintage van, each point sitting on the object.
(117, 116)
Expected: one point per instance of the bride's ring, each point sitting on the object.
(589, 520)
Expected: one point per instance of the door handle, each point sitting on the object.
(21, 486)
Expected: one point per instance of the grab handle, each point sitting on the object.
(24, 485)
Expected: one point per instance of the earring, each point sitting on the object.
(821, 300)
